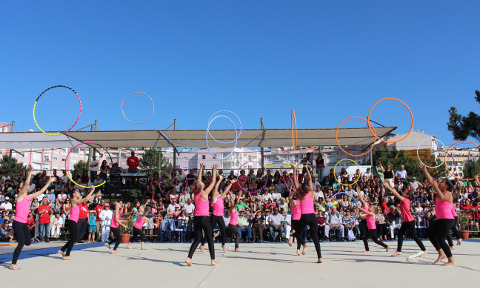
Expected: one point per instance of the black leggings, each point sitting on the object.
(362, 226)
(221, 224)
(437, 233)
(295, 226)
(73, 229)
(234, 231)
(116, 237)
(22, 234)
(137, 232)
(410, 227)
(372, 233)
(202, 224)
(310, 220)
(455, 232)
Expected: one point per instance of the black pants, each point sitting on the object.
(73, 229)
(202, 224)
(221, 224)
(234, 231)
(410, 227)
(372, 233)
(22, 235)
(362, 226)
(437, 233)
(295, 226)
(137, 232)
(82, 228)
(116, 237)
(310, 220)
(455, 232)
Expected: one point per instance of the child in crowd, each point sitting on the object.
(92, 226)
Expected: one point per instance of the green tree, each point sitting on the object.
(471, 169)
(16, 168)
(463, 127)
(153, 161)
(79, 167)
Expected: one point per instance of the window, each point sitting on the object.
(184, 158)
(55, 158)
(203, 157)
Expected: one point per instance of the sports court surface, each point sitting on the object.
(258, 265)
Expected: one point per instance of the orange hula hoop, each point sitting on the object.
(370, 125)
(445, 159)
(292, 119)
(354, 117)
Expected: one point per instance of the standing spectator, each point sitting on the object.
(5, 177)
(92, 226)
(275, 222)
(106, 217)
(44, 211)
(132, 163)
(320, 165)
(94, 167)
(388, 174)
(402, 175)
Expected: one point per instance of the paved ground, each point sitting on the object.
(258, 265)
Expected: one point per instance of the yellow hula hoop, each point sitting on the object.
(292, 119)
(68, 175)
(335, 175)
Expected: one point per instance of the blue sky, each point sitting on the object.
(327, 60)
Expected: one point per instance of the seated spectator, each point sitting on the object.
(6, 206)
(321, 220)
(258, 225)
(244, 225)
(393, 220)
(56, 227)
(334, 222)
(6, 232)
(275, 222)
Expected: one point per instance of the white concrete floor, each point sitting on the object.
(265, 265)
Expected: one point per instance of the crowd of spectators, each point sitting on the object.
(264, 212)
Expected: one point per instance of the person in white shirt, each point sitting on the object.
(275, 222)
(5, 177)
(93, 168)
(57, 225)
(189, 207)
(7, 206)
(106, 216)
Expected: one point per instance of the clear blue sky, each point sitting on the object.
(327, 60)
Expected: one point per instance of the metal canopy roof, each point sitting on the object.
(193, 138)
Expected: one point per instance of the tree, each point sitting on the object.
(153, 161)
(463, 127)
(471, 169)
(16, 168)
(80, 166)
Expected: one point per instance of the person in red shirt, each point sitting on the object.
(82, 223)
(44, 211)
(99, 208)
(132, 162)
(31, 225)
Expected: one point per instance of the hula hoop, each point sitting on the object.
(35, 105)
(445, 159)
(356, 205)
(153, 107)
(263, 167)
(159, 182)
(236, 135)
(292, 118)
(334, 174)
(66, 168)
(373, 132)
(418, 156)
(336, 136)
(208, 132)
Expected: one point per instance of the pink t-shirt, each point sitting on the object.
(454, 210)
(74, 213)
(296, 211)
(233, 217)
(139, 223)
(306, 205)
(22, 209)
(443, 209)
(218, 207)
(405, 209)
(113, 223)
(201, 206)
